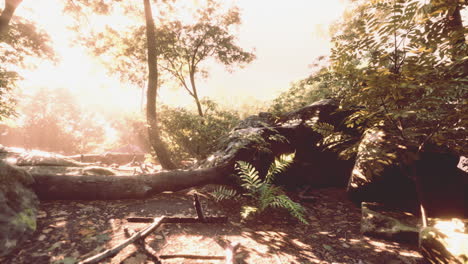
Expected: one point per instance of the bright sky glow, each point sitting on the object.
(285, 36)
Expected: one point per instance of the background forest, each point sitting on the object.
(403, 62)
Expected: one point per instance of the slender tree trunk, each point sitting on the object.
(151, 116)
(7, 13)
(195, 94)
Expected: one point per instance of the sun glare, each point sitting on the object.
(283, 35)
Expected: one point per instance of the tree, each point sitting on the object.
(179, 50)
(151, 95)
(22, 40)
(187, 46)
(182, 47)
(51, 120)
(405, 62)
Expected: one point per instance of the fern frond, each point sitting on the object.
(249, 176)
(295, 209)
(278, 166)
(223, 193)
(247, 211)
(323, 129)
(267, 194)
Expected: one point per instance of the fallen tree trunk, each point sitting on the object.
(95, 187)
(257, 140)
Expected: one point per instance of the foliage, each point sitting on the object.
(21, 42)
(55, 112)
(303, 93)
(345, 144)
(263, 193)
(131, 129)
(182, 48)
(405, 61)
(187, 46)
(192, 136)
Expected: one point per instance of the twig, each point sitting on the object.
(181, 220)
(113, 251)
(151, 253)
(306, 198)
(198, 208)
(188, 256)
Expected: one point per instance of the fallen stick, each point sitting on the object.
(149, 252)
(198, 208)
(188, 256)
(181, 220)
(155, 223)
(113, 251)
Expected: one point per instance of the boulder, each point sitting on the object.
(383, 222)
(18, 205)
(445, 242)
(389, 171)
(258, 140)
(443, 185)
(379, 171)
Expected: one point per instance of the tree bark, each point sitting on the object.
(98, 187)
(154, 134)
(195, 94)
(7, 13)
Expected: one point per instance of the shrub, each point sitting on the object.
(303, 93)
(192, 136)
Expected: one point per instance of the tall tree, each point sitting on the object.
(182, 47)
(152, 91)
(188, 46)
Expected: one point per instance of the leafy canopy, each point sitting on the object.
(405, 62)
(19, 44)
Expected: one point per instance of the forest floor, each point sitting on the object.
(74, 230)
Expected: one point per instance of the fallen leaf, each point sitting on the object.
(86, 231)
(327, 247)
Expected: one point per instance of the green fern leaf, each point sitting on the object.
(249, 176)
(295, 209)
(247, 211)
(278, 166)
(224, 193)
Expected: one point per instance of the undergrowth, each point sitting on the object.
(262, 193)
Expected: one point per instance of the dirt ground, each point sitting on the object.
(69, 231)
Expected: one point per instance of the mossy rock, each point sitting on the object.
(19, 207)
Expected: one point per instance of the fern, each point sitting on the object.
(247, 211)
(263, 192)
(249, 176)
(278, 166)
(224, 193)
(342, 143)
(295, 209)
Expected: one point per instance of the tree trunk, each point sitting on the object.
(95, 187)
(7, 13)
(151, 116)
(195, 94)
